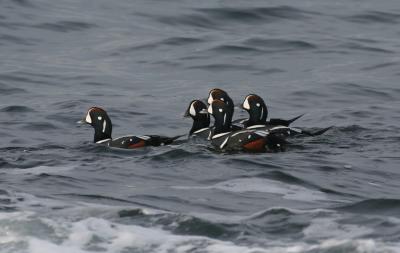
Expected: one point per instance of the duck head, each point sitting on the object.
(99, 120)
(218, 94)
(222, 116)
(197, 110)
(257, 109)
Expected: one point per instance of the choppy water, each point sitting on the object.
(144, 61)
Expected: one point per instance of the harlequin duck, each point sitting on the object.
(197, 110)
(99, 120)
(224, 138)
(258, 113)
(218, 94)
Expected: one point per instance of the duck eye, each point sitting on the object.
(258, 104)
(220, 110)
(99, 118)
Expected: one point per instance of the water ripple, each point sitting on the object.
(212, 18)
(66, 26)
(375, 17)
(16, 109)
(255, 14)
(279, 44)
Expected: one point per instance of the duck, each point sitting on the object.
(98, 118)
(219, 94)
(227, 139)
(258, 113)
(197, 110)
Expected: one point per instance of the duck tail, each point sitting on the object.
(169, 140)
(284, 122)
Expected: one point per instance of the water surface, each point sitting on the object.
(144, 61)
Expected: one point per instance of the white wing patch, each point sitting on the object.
(256, 126)
(219, 135)
(240, 132)
(278, 127)
(144, 137)
(296, 130)
(224, 143)
(262, 133)
(201, 130)
(103, 140)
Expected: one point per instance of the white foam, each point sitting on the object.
(100, 235)
(288, 191)
(112, 237)
(326, 228)
(51, 170)
(85, 229)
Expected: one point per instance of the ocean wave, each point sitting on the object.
(382, 206)
(380, 66)
(224, 49)
(262, 185)
(216, 67)
(360, 47)
(65, 26)
(89, 234)
(24, 3)
(7, 90)
(371, 17)
(17, 109)
(356, 89)
(279, 44)
(253, 14)
(16, 40)
(215, 18)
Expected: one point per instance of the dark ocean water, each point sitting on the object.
(144, 61)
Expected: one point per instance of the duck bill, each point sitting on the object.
(81, 122)
(186, 114)
(204, 111)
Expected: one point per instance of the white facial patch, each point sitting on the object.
(258, 104)
(88, 118)
(99, 118)
(210, 110)
(104, 126)
(246, 104)
(220, 110)
(222, 99)
(192, 111)
(210, 99)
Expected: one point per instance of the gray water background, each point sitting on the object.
(144, 61)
